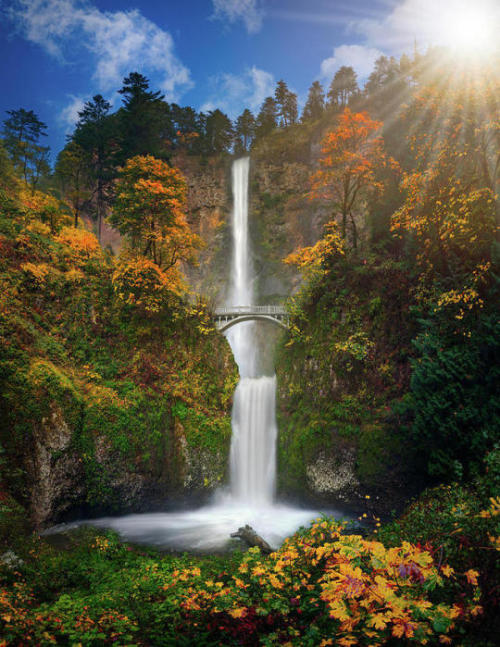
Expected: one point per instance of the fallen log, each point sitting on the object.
(249, 535)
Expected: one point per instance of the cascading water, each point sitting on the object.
(252, 456)
(250, 499)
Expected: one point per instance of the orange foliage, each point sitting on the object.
(451, 208)
(151, 210)
(351, 156)
(81, 244)
(141, 283)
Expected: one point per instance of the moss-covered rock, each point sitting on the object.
(339, 373)
(103, 407)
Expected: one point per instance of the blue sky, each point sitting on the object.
(55, 54)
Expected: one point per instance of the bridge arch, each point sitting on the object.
(225, 318)
(232, 322)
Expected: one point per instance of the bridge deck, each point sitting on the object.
(250, 310)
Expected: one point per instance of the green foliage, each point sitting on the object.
(22, 132)
(454, 388)
(321, 586)
(342, 369)
(77, 361)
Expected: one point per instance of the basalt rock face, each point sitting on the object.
(54, 468)
(282, 217)
(209, 209)
(62, 482)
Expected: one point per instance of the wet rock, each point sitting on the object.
(248, 534)
(332, 474)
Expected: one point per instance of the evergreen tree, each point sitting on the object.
(218, 133)
(144, 119)
(136, 92)
(387, 84)
(96, 135)
(72, 171)
(22, 132)
(244, 131)
(343, 87)
(315, 104)
(188, 127)
(6, 169)
(291, 109)
(267, 119)
(386, 75)
(286, 103)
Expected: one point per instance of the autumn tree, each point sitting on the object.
(351, 156)
(451, 207)
(150, 210)
(315, 104)
(343, 87)
(22, 133)
(449, 222)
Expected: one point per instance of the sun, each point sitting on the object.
(469, 29)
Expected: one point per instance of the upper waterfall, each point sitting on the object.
(241, 267)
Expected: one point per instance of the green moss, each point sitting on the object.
(51, 386)
(340, 371)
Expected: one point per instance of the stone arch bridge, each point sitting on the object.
(227, 317)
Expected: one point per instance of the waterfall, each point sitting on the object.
(253, 454)
(253, 442)
(241, 269)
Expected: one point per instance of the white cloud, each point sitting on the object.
(233, 10)
(359, 57)
(69, 115)
(119, 41)
(232, 93)
(426, 22)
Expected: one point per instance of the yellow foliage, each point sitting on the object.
(38, 272)
(81, 244)
(141, 283)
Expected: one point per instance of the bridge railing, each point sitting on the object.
(243, 310)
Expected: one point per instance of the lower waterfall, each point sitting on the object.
(253, 447)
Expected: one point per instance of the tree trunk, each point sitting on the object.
(249, 535)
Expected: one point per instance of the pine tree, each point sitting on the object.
(143, 119)
(343, 87)
(244, 131)
(315, 104)
(291, 109)
(96, 135)
(267, 119)
(218, 133)
(22, 132)
(286, 103)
